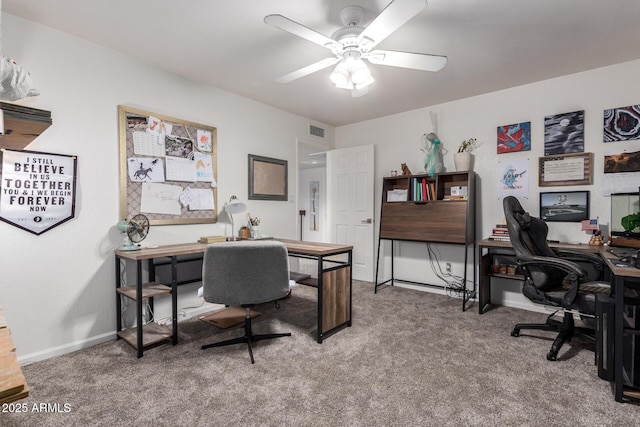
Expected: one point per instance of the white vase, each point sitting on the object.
(462, 161)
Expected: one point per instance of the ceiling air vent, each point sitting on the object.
(316, 131)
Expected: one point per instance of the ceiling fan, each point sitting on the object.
(353, 43)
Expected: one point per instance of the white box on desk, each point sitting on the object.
(460, 190)
(397, 195)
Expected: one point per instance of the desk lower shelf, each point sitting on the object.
(152, 334)
(149, 290)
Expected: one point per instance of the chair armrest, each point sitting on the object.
(585, 258)
(579, 256)
(574, 273)
(559, 263)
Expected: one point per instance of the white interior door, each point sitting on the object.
(350, 179)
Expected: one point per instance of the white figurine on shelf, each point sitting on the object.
(15, 81)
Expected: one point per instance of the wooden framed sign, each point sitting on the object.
(565, 169)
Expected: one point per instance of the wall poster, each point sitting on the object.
(37, 190)
(513, 179)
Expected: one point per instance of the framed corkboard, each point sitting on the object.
(168, 168)
(565, 169)
(267, 178)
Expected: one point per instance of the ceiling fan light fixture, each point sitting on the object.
(340, 75)
(359, 72)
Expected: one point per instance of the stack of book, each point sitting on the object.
(500, 232)
(423, 190)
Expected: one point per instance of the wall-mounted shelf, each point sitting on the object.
(22, 125)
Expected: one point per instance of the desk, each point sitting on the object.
(333, 282)
(495, 247)
(621, 277)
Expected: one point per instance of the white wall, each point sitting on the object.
(398, 139)
(57, 289)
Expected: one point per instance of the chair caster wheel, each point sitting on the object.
(515, 332)
(552, 356)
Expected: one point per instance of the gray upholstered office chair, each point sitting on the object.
(244, 274)
(564, 279)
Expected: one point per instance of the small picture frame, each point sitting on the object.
(268, 179)
(564, 206)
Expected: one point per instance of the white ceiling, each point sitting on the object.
(491, 45)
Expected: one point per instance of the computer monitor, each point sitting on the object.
(623, 205)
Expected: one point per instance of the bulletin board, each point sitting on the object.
(168, 168)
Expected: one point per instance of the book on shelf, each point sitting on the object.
(423, 191)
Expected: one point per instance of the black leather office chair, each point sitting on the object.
(564, 279)
(245, 273)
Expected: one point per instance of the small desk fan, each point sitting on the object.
(135, 230)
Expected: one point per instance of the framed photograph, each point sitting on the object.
(268, 178)
(564, 206)
(565, 169)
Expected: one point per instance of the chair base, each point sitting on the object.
(566, 330)
(248, 337)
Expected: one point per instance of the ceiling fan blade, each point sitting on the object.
(307, 70)
(300, 30)
(416, 61)
(395, 15)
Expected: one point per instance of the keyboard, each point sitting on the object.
(622, 252)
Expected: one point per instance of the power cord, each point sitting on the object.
(454, 284)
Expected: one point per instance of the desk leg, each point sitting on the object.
(139, 307)
(118, 299)
(320, 300)
(174, 299)
(618, 288)
(350, 288)
(484, 283)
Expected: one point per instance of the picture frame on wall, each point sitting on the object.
(564, 133)
(514, 138)
(564, 206)
(268, 178)
(621, 124)
(565, 169)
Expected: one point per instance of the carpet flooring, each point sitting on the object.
(411, 358)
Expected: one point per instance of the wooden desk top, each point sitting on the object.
(293, 246)
(617, 269)
(486, 243)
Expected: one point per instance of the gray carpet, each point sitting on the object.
(411, 358)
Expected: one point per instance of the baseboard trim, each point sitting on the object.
(66, 348)
(48, 353)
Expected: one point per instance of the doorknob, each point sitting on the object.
(367, 221)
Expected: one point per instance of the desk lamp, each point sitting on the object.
(233, 207)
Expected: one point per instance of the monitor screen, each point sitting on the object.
(623, 205)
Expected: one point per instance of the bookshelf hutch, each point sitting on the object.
(421, 208)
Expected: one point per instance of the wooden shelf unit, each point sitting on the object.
(149, 334)
(13, 385)
(442, 218)
(22, 125)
